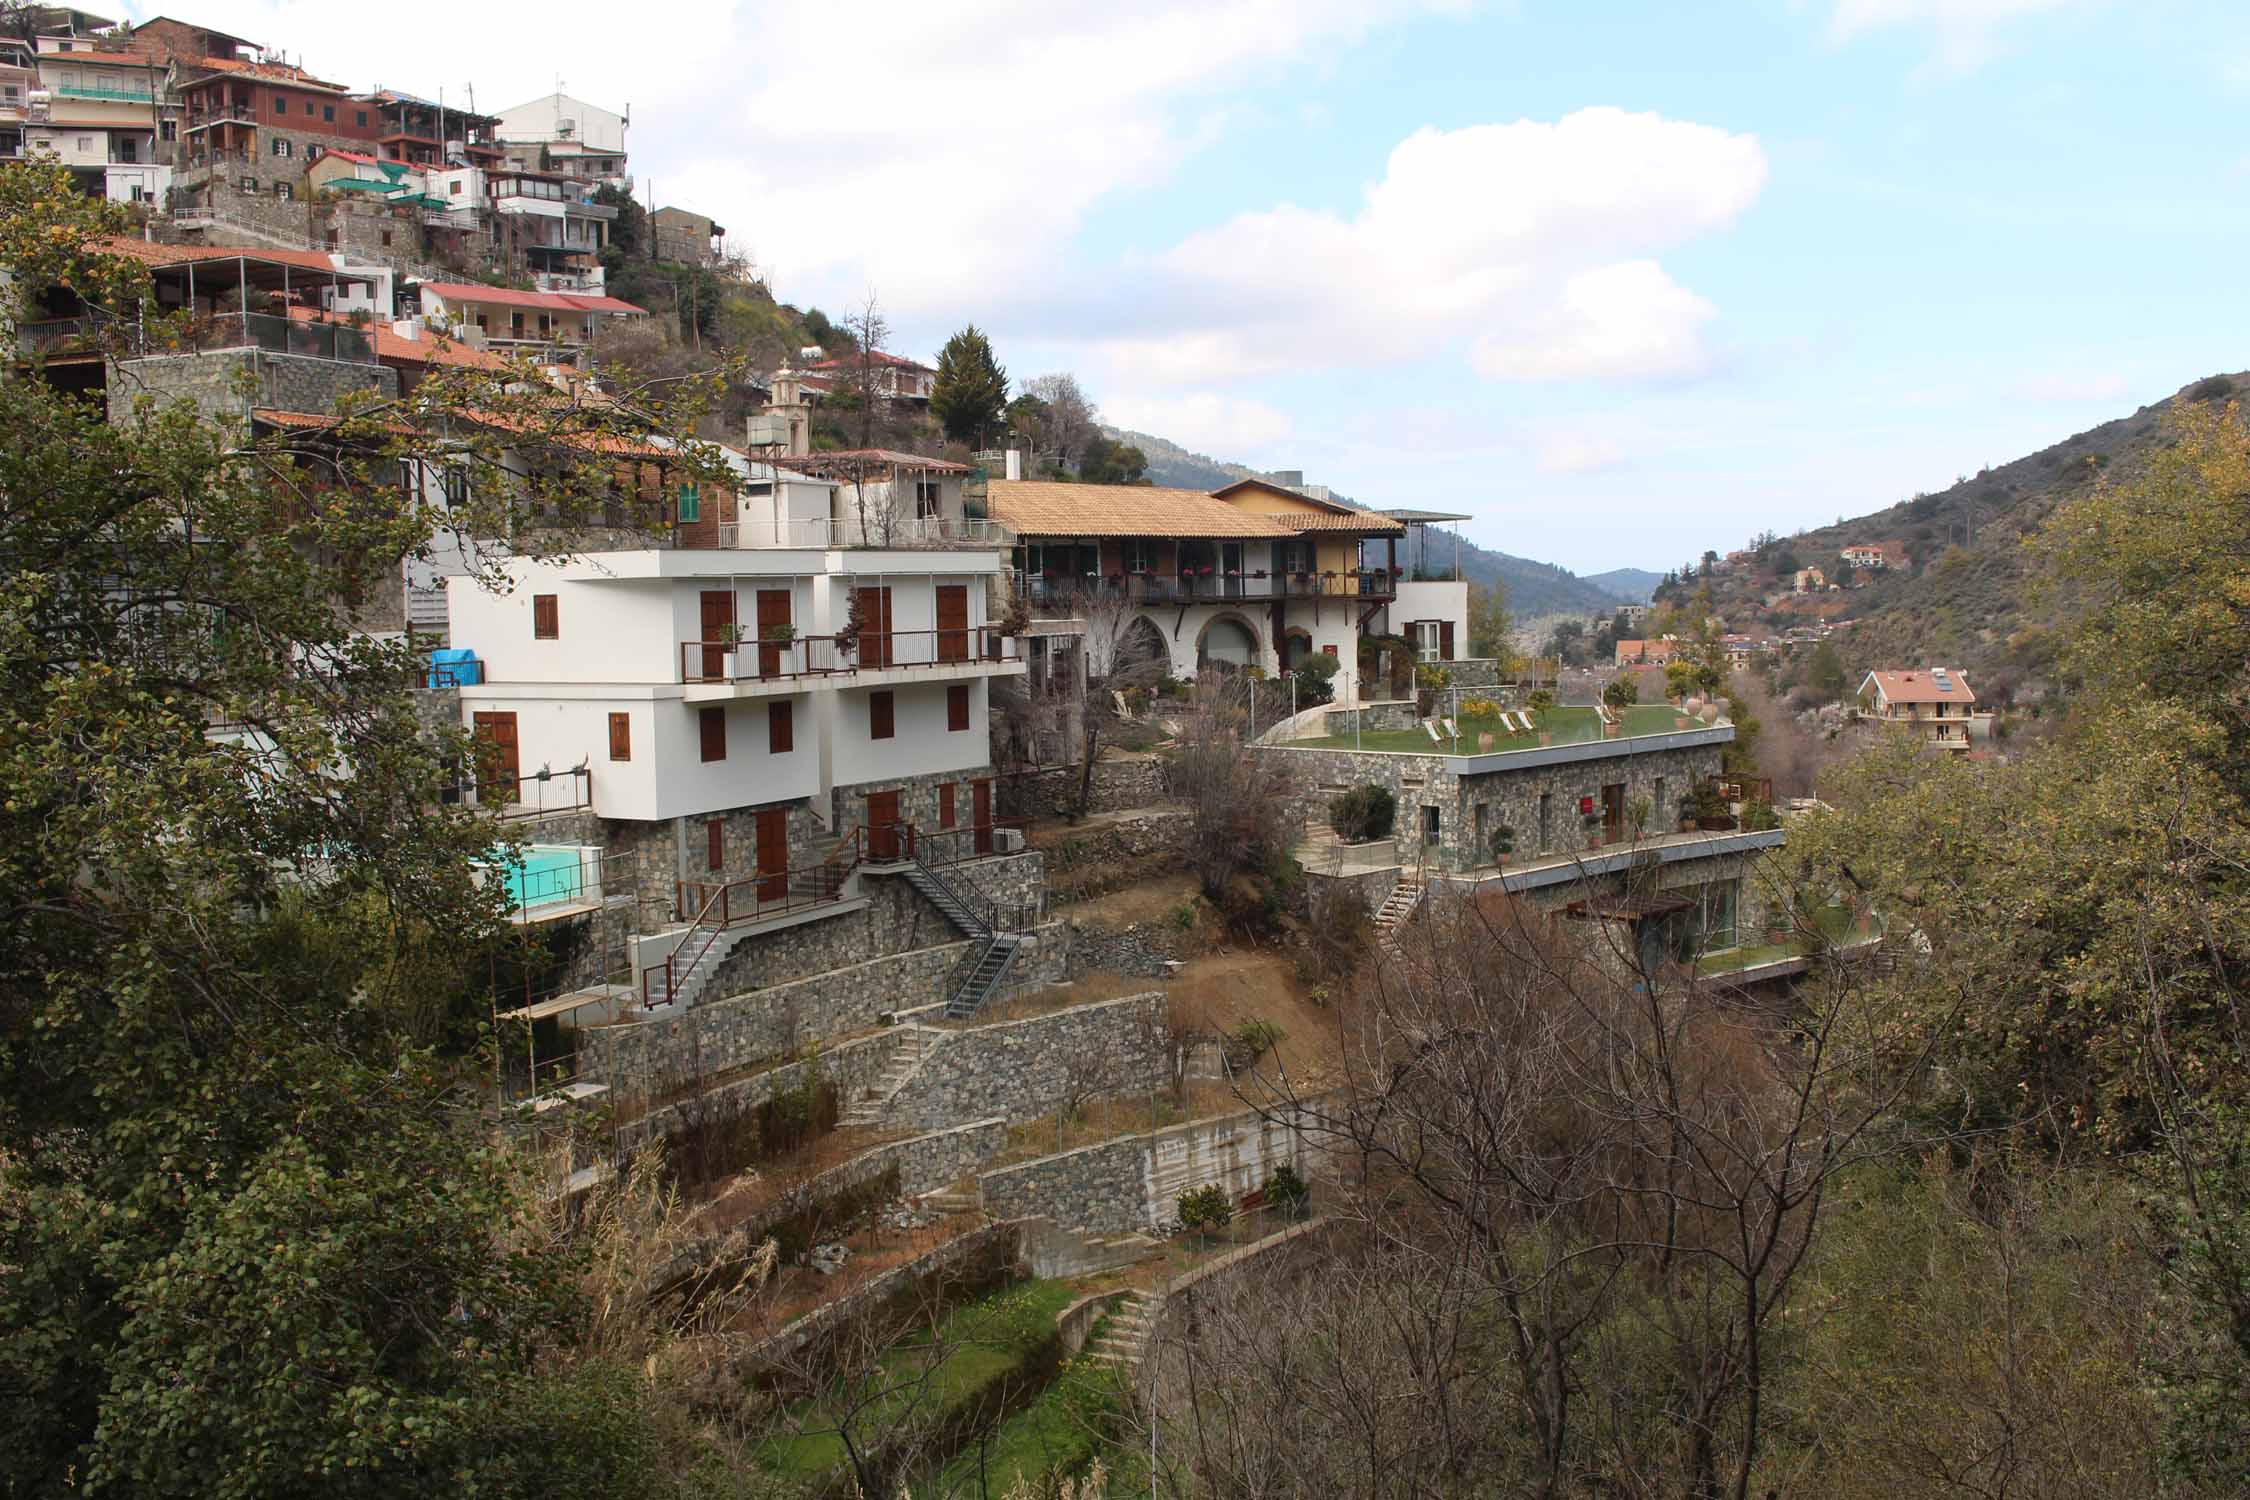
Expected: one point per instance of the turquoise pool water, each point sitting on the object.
(547, 875)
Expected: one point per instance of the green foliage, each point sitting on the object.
(1489, 624)
(1205, 1209)
(1316, 679)
(1824, 674)
(1257, 1036)
(1362, 813)
(970, 393)
(1540, 701)
(1621, 692)
(1103, 461)
(1287, 1192)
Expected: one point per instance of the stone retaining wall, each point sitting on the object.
(924, 1163)
(1118, 785)
(1144, 950)
(852, 1066)
(1083, 863)
(780, 1020)
(953, 1257)
(1135, 1182)
(1023, 1069)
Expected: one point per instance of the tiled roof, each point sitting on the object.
(108, 59)
(270, 72)
(852, 458)
(1365, 522)
(427, 350)
(180, 255)
(1921, 686)
(851, 361)
(508, 296)
(1034, 507)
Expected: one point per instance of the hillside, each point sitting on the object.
(1965, 597)
(1533, 588)
(1633, 585)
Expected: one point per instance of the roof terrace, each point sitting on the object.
(1508, 734)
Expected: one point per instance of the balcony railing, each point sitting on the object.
(278, 335)
(89, 91)
(850, 531)
(722, 661)
(1207, 587)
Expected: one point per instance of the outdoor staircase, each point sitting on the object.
(1122, 1339)
(963, 1197)
(967, 988)
(698, 958)
(939, 893)
(993, 961)
(915, 1044)
(1397, 909)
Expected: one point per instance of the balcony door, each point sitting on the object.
(773, 616)
(953, 622)
(717, 606)
(1230, 565)
(980, 815)
(773, 854)
(874, 626)
(498, 771)
(882, 827)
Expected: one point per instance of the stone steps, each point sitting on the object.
(1122, 1340)
(915, 1044)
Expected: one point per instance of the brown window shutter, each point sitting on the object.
(957, 707)
(945, 805)
(620, 736)
(881, 724)
(713, 723)
(781, 728)
(1445, 640)
(544, 623)
(715, 843)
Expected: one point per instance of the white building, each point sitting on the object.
(558, 133)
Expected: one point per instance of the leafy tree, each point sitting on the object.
(1108, 462)
(256, 1245)
(1490, 623)
(1621, 692)
(1824, 673)
(971, 391)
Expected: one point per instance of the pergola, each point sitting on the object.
(1420, 522)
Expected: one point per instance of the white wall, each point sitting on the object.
(1434, 601)
(922, 745)
(605, 632)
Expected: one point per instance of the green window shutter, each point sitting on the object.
(691, 505)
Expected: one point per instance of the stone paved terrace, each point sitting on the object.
(1558, 726)
(1518, 875)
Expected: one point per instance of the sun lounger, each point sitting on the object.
(1452, 730)
(1435, 737)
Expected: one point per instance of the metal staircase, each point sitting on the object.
(1398, 908)
(983, 969)
(986, 966)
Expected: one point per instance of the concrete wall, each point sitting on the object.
(213, 382)
(1023, 1069)
(1135, 1182)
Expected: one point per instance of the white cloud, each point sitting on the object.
(942, 155)
(1204, 421)
(1964, 29)
(1529, 243)
(1578, 453)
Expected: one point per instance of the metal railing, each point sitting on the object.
(1207, 587)
(952, 846)
(90, 91)
(735, 661)
(878, 529)
(536, 794)
(278, 335)
(718, 905)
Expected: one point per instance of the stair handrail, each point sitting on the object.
(674, 980)
(980, 910)
(964, 968)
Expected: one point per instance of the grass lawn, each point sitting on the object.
(1558, 726)
(1061, 1430)
(1834, 922)
(976, 1346)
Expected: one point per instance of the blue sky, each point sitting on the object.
(1624, 280)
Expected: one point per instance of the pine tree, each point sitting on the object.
(971, 392)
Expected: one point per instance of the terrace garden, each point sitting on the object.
(1556, 726)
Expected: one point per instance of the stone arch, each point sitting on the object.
(1143, 649)
(1228, 640)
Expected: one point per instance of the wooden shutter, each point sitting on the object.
(713, 724)
(781, 728)
(545, 625)
(1445, 640)
(881, 722)
(620, 736)
(957, 707)
(945, 804)
(715, 843)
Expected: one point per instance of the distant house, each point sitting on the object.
(549, 324)
(1935, 702)
(888, 374)
(1810, 581)
(1874, 555)
(686, 238)
(1647, 653)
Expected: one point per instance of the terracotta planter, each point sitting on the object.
(1715, 825)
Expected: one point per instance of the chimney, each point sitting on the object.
(1015, 463)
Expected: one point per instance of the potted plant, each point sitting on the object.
(1636, 813)
(731, 633)
(778, 635)
(1503, 844)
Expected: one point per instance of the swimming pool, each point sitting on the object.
(551, 875)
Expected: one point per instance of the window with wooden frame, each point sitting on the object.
(711, 723)
(781, 728)
(882, 721)
(715, 843)
(546, 623)
(691, 504)
(957, 708)
(945, 804)
(620, 736)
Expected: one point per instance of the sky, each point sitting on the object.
(1621, 280)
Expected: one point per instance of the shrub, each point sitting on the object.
(1364, 812)
(2217, 388)
(1205, 1208)
(1258, 1037)
(1622, 692)
(1758, 816)
(1479, 708)
(1315, 678)
(1433, 679)
(1540, 702)
(1287, 1193)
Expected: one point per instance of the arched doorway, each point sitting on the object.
(1296, 645)
(1227, 642)
(1142, 651)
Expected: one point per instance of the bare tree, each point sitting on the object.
(1242, 804)
(872, 332)
(1070, 417)
(1119, 653)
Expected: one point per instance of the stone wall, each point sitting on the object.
(782, 1019)
(852, 1066)
(924, 1162)
(212, 380)
(1374, 718)
(1119, 784)
(1135, 1182)
(1023, 1069)
(1472, 805)
(1083, 863)
(1144, 950)
(955, 1258)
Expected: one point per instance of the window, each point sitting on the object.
(882, 722)
(455, 483)
(454, 187)
(781, 728)
(711, 723)
(284, 189)
(929, 499)
(544, 619)
(281, 145)
(308, 106)
(620, 736)
(328, 111)
(167, 130)
(1424, 635)
(85, 143)
(361, 117)
(945, 805)
(1140, 554)
(280, 104)
(691, 505)
(248, 184)
(715, 842)
(957, 707)
(386, 239)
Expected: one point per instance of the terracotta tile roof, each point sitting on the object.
(508, 296)
(180, 255)
(851, 361)
(1033, 507)
(109, 59)
(270, 72)
(430, 349)
(1365, 522)
(1920, 686)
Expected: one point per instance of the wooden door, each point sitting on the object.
(718, 617)
(874, 626)
(1613, 812)
(773, 611)
(980, 814)
(953, 622)
(497, 769)
(773, 855)
(882, 826)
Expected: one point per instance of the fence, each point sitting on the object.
(730, 660)
(880, 528)
(1206, 587)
